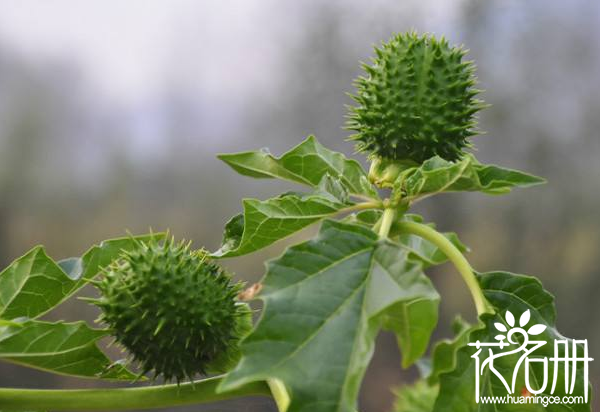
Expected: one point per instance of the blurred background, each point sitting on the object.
(111, 114)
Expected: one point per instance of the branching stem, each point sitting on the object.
(386, 222)
(455, 256)
(123, 399)
(206, 390)
(362, 206)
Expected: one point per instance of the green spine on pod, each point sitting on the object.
(173, 309)
(417, 100)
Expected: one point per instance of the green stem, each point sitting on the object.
(122, 399)
(361, 206)
(364, 198)
(280, 394)
(455, 256)
(386, 222)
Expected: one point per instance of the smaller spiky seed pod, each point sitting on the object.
(173, 309)
(416, 101)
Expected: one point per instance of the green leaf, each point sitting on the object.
(34, 283)
(265, 222)
(517, 294)
(366, 217)
(306, 163)
(437, 175)
(325, 301)
(62, 348)
(444, 353)
(332, 189)
(412, 321)
(418, 397)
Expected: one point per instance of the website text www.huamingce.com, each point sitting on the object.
(542, 400)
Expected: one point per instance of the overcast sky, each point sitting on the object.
(123, 46)
(128, 48)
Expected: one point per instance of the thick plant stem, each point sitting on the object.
(123, 399)
(386, 222)
(455, 256)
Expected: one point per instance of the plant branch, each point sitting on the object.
(455, 256)
(363, 197)
(122, 399)
(361, 206)
(386, 222)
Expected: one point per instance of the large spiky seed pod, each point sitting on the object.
(173, 309)
(416, 101)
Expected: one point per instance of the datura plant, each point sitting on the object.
(178, 315)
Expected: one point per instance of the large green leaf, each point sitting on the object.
(63, 348)
(437, 175)
(325, 301)
(34, 283)
(306, 163)
(517, 294)
(265, 222)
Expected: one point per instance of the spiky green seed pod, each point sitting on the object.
(416, 101)
(173, 309)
